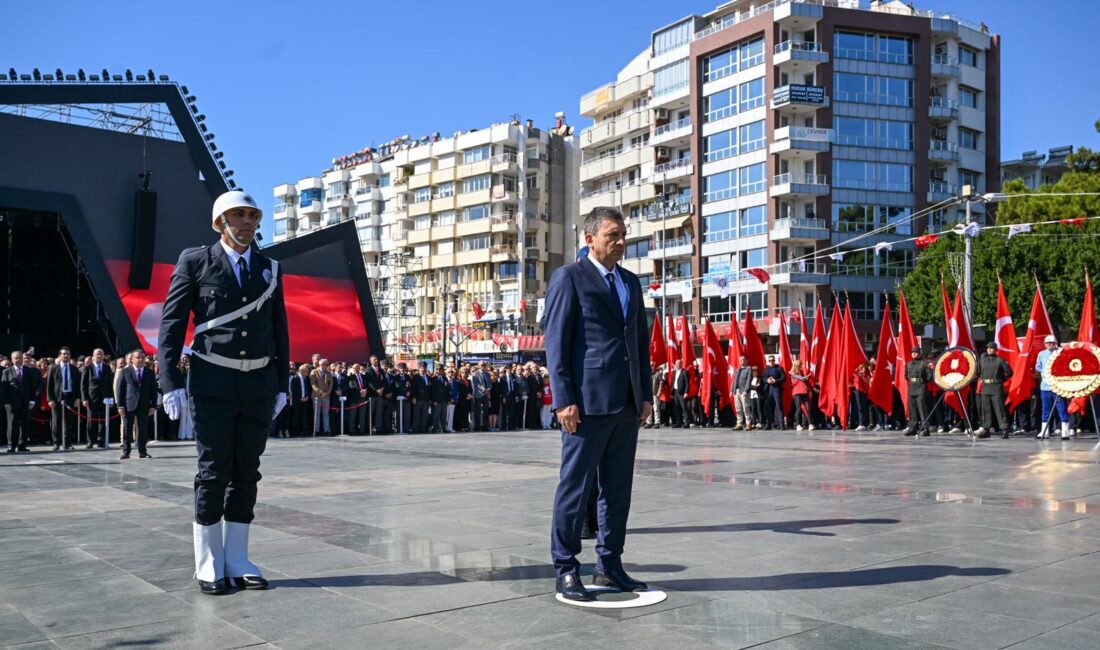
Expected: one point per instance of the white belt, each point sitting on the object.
(243, 365)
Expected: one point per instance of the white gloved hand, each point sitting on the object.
(174, 403)
(280, 402)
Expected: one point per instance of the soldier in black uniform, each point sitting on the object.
(237, 381)
(918, 374)
(994, 372)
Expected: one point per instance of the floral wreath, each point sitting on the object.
(955, 368)
(1073, 370)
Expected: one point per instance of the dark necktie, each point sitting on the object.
(614, 290)
(139, 377)
(243, 266)
(98, 370)
(65, 385)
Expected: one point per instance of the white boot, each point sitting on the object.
(209, 552)
(238, 568)
(1043, 431)
(1065, 431)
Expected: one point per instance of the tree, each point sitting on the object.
(1057, 254)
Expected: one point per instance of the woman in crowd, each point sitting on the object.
(547, 400)
(494, 400)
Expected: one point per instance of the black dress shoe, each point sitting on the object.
(90, 445)
(23, 448)
(1006, 435)
(144, 456)
(617, 578)
(983, 434)
(57, 447)
(11, 450)
(127, 457)
(215, 588)
(571, 588)
(249, 582)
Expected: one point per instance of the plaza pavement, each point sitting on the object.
(761, 539)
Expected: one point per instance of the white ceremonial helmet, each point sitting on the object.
(228, 201)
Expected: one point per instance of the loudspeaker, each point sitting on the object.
(145, 235)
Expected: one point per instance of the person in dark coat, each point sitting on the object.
(96, 384)
(137, 402)
(21, 388)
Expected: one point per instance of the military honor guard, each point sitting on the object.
(917, 376)
(994, 372)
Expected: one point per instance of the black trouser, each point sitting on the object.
(403, 421)
(683, 412)
(18, 433)
(231, 437)
(801, 411)
(775, 395)
(918, 410)
(506, 415)
(61, 416)
(481, 414)
(140, 418)
(421, 418)
(439, 416)
(993, 403)
(301, 418)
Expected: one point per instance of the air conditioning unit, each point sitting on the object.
(660, 113)
(544, 156)
(662, 152)
(533, 251)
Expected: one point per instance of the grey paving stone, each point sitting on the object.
(16, 629)
(1065, 638)
(181, 633)
(952, 626)
(846, 637)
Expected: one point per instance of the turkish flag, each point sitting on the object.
(906, 341)
(817, 343)
(826, 371)
(478, 311)
(715, 372)
(785, 362)
(672, 348)
(924, 241)
(657, 352)
(687, 356)
(759, 274)
(882, 382)
(1008, 347)
(1023, 373)
(852, 356)
(753, 349)
(1087, 332)
(958, 335)
(804, 348)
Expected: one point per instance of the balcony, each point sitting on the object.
(798, 99)
(366, 169)
(944, 66)
(502, 253)
(799, 185)
(611, 95)
(796, 15)
(505, 162)
(634, 120)
(672, 247)
(939, 191)
(672, 169)
(943, 150)
(942, 108)
(792, 53)
(503, 222)
(370, 246)
(674, 95)
(672, 131)
(668, 209)
(800, 273)
(599, 167)
(372, 193)
(799, 228)
(801, 141)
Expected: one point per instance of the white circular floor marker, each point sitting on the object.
(640, 598)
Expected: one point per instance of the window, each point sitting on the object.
(753, 221)
(895, 49)
(722, 185)
(896, 264)
(445, 218)
(445, 247)
(968, 56)
(638, 249)
(856, 263)
(336, 190)
(422, 194)
(720, 104)
(720, 145)
(752, 94)
(849, 87)
(384, 180)
(895, 219)
(532, 181)
(475, 212)
(475, 242)
(280, 227)
(893, 177)
(856, 174)
(895, 135)
(672, 38)
(422, 222)
(476, 154)
(444, 190)
(482, 182)
(853, 218)
(862, 304)
(752, 53)
(968, 97)
(853, 45)
(279, 208)
(854, 131)
(531, 270)
(894, 91)
(752, 179)
(670, 78)
(968, 138)
(309, 197)
(334, 216)
(508, 270)
(719, 65)
(969, 177)
(752, 137)
(752, 258)
(720, 227)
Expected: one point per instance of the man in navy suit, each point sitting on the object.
(597, 353)
(137, 401)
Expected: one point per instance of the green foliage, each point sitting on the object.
(1057, 254)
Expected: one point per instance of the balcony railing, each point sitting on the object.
(659, 244)
(800, 266)
(670, 89)
(799, 46)
(942, 145)
(799, 179)
(943, 59)
(503, 158)
(943, 102)
(667, 167)
(799, 222)
(942, 188)
(672, 126)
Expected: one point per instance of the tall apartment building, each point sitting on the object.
(478, 221)
(761, 133)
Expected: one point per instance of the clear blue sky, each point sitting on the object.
(287, 86)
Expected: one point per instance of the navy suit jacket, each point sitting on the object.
(592, 351)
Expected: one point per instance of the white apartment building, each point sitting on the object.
(477, 221)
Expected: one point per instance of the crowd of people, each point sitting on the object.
(91, 400)
(759, 399)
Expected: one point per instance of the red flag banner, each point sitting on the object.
(785, 362)
(754, 349)
(715, 373)
(906, 341)
(759, 274)
(882, 382)
(657, 352)
(1087, 332)
(1038, 327)
(687, 355)
(924, 241)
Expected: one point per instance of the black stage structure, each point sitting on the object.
(103, 181)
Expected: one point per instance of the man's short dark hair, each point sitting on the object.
(137, 351)
(64, 348)
(598, 215)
